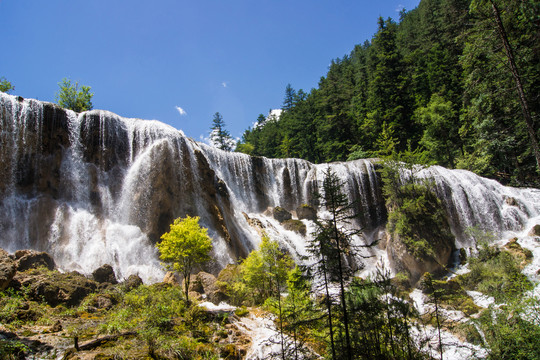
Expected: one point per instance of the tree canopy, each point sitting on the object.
(73, 97)
(185, 246)
(5, 85)
(457, 78)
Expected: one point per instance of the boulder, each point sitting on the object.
(171, 278)
(207, 283)
(8, 269)
(30, 259)
(54, 288)
(296, 226)
(280, 214)
(57, 327)
(103, 301)
(307, 212)
(510, 201)
(535, 230)
(105, 274)
(132, 282)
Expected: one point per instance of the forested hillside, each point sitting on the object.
(457, 79)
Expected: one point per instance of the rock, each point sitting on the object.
(132, 282)
(401, 260)
(103, 301)
(535, 230)
(105, 274)
(171, 278)
(296, 226)
(510, 201)
(229, 273)
(307, 212)
(8, 269)
(57, 327)
(54, 288)
(210, 287)
(30, 259)
(280, 214)
(195, 284)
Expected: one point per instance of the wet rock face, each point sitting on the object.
(296, 226)
(8, 269)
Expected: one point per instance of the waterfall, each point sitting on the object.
(95, 188)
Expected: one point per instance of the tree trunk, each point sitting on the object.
(519, 86)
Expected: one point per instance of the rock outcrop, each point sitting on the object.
(8, 269)
(30, 259)
(54, 288)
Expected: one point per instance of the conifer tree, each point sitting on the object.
(219, 136)
(331, 245)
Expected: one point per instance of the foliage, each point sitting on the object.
(262, 274)
(380, 320)
(12, 349)
(437, 80)
(332, 243)
(184, 247)
(70, 96)
(497, 274)
(511, 331)
(5, 85)
(416, 214)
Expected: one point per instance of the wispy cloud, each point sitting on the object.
(400, 7)
(181, 111)
(224, 84)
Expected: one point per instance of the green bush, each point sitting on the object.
(497, 274)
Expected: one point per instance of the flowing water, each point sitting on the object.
(95, 188)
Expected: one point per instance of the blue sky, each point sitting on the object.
(149, 59)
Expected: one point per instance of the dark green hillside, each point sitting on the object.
(439, 79)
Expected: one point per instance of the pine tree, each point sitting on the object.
(219, 136)
(290, 98)
(331, 245)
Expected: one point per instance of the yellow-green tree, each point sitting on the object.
(185, 246)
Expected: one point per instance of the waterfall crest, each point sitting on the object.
(95, 188)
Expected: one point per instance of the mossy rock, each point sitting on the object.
(296, 226)
(280, 214)
(523, 255)
(53, 287)
(307, 212)
(229, 273)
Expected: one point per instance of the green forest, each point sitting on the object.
(456, 79)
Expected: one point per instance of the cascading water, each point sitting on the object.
(95, 188)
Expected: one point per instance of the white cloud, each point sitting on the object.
(224, 84)
(400, 7)
(181, 111)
